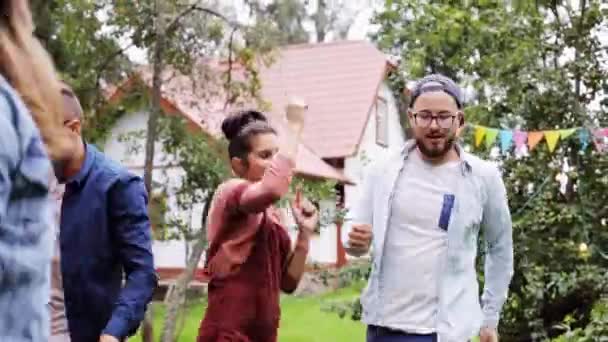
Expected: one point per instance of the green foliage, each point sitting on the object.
(288, 16)
(204, 166)
(315, 190)
(157, 211)
(513, 57)
(595, 331)
(83, 52)
(354, 273)
(97, 127)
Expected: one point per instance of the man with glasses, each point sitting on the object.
(104, 234)
(421, 212)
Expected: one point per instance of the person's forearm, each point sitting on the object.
(132, 302)
(292, 136)
(258, 196)
(297, 264)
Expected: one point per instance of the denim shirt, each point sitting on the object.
(25, 224)
(105, 234)
(480, 203)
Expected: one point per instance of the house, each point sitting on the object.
(352, 119)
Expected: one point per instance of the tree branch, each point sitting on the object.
(577, 81)
(196, 7)
(229, 80)
(102, 66)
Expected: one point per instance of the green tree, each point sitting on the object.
(535, 66)
(287, 20)
(83, 49)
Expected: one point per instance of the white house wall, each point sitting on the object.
(169, 254)
(172, 254)
(323, 245)
(369, 150)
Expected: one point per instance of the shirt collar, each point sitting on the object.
(465, 166)
(89, 158)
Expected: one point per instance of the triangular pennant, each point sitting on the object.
(602, 132)
(598, 139)
(491, 134)
(584, 137)
(552, 137)
(534, 138)
(566, 133)
(480, 133)
(506, 140)
(520, 138)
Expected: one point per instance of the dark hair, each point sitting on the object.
(437, 82)
(238, 128)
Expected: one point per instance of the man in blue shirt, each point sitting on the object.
(105, 233)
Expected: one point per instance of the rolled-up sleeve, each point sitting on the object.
(131, 226)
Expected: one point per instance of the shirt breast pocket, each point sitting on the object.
(447, 207)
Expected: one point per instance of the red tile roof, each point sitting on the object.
(204, 106)
(338, 80)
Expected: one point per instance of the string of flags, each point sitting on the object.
(530, 139)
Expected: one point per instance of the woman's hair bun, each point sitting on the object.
(233, 124)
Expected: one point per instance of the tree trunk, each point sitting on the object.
(321, 20)
(176, 295)
(155, 108)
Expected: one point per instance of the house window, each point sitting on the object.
(381, 122)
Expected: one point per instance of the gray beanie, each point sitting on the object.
(437, 82)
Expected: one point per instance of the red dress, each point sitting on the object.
(247, 260)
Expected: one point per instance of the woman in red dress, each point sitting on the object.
(250, 259)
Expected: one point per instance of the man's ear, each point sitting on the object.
(461, 119)
(410, 117)
(75, 126)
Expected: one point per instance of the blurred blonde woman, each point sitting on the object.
(30, 132)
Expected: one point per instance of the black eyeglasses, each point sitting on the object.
(425, 119)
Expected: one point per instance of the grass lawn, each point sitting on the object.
(301, 320)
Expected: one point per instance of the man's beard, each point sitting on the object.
(433, 153)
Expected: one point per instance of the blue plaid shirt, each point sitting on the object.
(25, 224)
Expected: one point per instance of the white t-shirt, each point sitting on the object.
(416, 244)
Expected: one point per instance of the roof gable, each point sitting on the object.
(339, 82)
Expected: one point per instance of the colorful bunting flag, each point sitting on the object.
(534, 138)
(566, 133)
(506, 140)
(599, 135)
(602, 132)
(480, 133)
(491, 134)
(584, 137)
(551, 137)
(520, 139)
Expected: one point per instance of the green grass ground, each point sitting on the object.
(301, 320)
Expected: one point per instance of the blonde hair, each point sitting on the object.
(29, 69)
